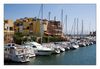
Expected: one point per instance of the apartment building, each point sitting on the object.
(54, 28)
(35, 26)
(27, 26)
(8, 31)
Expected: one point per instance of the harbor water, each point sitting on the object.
(81, 56)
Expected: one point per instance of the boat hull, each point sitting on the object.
(56, 51)
(42, 52)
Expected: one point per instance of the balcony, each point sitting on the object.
(59, 30)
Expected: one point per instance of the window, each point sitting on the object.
(7, 28)
(13, 44)
(31, 23)
(11, 28)
(17, 24)
(5, 49)
(27, 27)
(34, 46)
(21, 24)
(8, 44)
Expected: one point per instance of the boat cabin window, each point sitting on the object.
(13, 44)
(16, 55)
(5, 49)
(8, 44)
(34, 46)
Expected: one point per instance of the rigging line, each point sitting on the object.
(39, 12)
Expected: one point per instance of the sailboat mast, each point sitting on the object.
(62, 19)
(90, 28)
(77, 27)
(49, 15)
(66, 25)
(49, 21)
(74, 25)
(42, 32)
(82, 29)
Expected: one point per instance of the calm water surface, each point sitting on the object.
(81, 56)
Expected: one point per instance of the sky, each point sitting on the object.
(85, 12)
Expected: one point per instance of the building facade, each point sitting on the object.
(54, 28)
(27, 26)
(8, 31)
(34, 26)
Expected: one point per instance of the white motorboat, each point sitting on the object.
(56, 50)
(16, 53)
(39, 49)
(82, 44)
(65, 45)
(53, 47)
(74, 46)
(59, 46)
(61, 49)
(91, 43)
(87, 43)
(31, 51)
